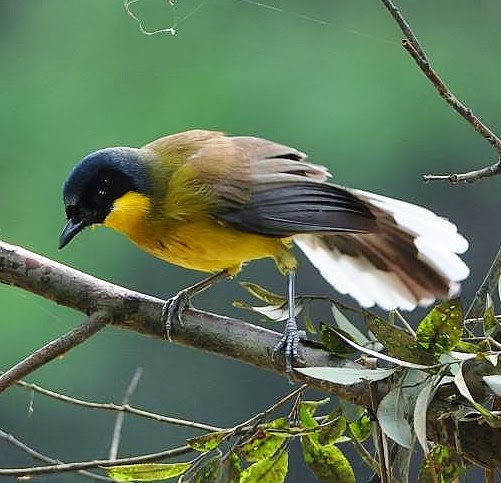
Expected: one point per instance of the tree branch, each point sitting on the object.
(81, 465)
(217, 334)
(119, 420)
(123, 408)
(46, 459)
(142, 313)
(53, 349)
(413, 47)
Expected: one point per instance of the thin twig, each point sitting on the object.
(404, 27)
(272, 408)
(68, 467)
(46, 459)
(404, 322)
(117, 430)
(469, 176)
(116, 407)
(246, 431)
(488, 286)
(58, 466)
(381, 447)
(450, 98)
(286, 398)
(493, 342)
(476, 320)
(413, 47)
(55, 348)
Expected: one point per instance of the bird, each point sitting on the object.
(210, 202)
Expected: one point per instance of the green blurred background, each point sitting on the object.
(329, 78)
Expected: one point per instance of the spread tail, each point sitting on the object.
(410, 260)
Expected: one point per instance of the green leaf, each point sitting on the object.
(332, 341)
(351, 411)
(460, 382)
(307, 410)
(420, 409)
(335, 429)
(398, 343)
(268, 470)
(207, 442)
(241, 304)
(401, 459)
(385, 357)
(327, 462)
(490, 323)
(234, 468)
(392, 417)
(264, 444)
(442, 465)
(346, 375)
(396, 409)
(278, 313)
(312, 406)
(210, 471)
(361, 428)
(308, 324)
(442, 328)
(347, 327)
(263, 294)
(492, 419)
(147, 471)
(388, 334)
(494, 383)
(292, 432)
(305, 414)
(463, 346)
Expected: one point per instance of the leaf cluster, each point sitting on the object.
(260, 452)
(445, 355)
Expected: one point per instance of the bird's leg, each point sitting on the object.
(173, 308)
(289, 342)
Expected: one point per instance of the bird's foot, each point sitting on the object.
(172, 310)
(289, 344)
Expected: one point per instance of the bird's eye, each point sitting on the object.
(102, 189)
(71, 211)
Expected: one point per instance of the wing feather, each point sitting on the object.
(275, 192)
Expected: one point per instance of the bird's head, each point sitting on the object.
(96, 183)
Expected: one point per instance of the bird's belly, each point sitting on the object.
(209, 246)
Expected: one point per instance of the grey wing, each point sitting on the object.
(274, 191)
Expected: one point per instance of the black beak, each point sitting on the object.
(70, 231)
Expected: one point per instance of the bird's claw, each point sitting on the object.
(289, 343)
(172, 311)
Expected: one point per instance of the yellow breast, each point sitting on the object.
(197, 242)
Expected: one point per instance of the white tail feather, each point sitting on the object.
(419, 221)
(437, 243)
